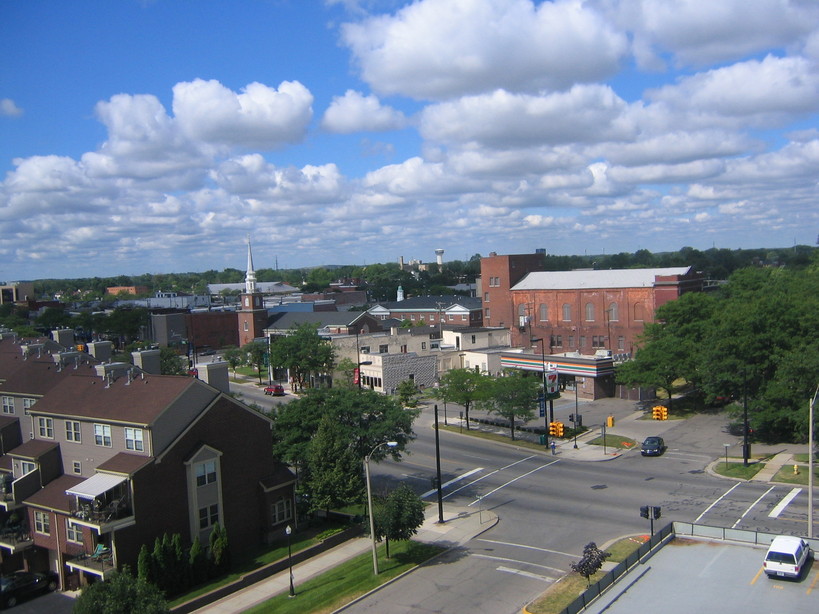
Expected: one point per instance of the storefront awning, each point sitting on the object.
(96, 485)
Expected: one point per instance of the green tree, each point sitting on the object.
(334, 469)
(591, 562)
(197, 562)
(512, 396)
(121, 593)
(408, 393)
(347, 369)
(398, 516)
(171, 363)
(303, 353)
(367, 418)
(233, 356)
(219, 553)
(257, 356)
(461, 386)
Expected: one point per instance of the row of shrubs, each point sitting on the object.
(175, 570)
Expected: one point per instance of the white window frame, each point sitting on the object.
(208, 516)
(27, 467)
(42, 522)
(28, 403)
(8, 405)
(206, 473)
(102, 435)
(45, 427)
(133, 439)
(281, 510)
(73, 531)
(73, 431)
(76, 467)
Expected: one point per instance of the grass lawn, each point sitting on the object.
(253, 561)
(558, 596)
(738, 470)
(614, 441)
(787, 475)
(492, 437)
(331, 590)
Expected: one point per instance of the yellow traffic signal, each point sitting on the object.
(553, 429)
(657, 412)
(664, 413)
(558, 429)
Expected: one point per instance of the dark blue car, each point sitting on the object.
(21, 585)
(653, 446)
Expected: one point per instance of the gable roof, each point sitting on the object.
(610, 278)
(289, 319)
(432, 303)
(141, 401)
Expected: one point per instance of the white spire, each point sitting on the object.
(250, 276)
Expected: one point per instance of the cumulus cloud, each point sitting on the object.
(259, 117)
(437, 49)
(586, 113)
(9, 108)
(355, 112)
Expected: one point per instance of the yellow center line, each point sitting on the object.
(756, 577)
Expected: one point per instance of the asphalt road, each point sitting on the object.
(549, 508)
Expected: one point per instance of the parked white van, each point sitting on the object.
(786, 557)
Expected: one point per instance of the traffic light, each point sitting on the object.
(644, 511)
(571, 417)
(657, 412)
(657, 512)
(663, 413)
(558, 429)
(553, 429)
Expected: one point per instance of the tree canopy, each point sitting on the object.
(462, 386)
(302, 352)
(398, 515)
(754, 339)
(512, 396)
(360, 419)
(121, 592)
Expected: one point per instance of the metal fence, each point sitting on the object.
(660, 539)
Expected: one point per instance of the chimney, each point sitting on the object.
(148, 361)
(64, 336)
(215, 374)
(100, 350)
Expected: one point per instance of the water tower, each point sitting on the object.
(439, 256)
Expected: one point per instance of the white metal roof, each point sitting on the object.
(610, 278)
(95, 485)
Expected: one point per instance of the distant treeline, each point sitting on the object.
(382, 279)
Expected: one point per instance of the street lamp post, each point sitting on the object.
(288, 530)
(390, 444)
(543, 364)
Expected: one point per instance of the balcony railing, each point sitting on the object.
(16, 538)
(98, 564)
(99, 514)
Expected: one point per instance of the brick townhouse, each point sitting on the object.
(115, 457)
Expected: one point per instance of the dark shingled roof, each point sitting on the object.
(52, 496)
(432, 302)
(141, 401)
(125, 463)
(33, 448)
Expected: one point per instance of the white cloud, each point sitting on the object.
(699, 32)
(9, 108)
(355, 112)
(586, 113)
(439, 48)
(260, 117)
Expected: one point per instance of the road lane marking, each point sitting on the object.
(528, 547)
(784, 503)
(752, 506)
(526, 574)
(756, 577)
(489, 557)
(512, 481)
(483, 477)
(452, 481)
(708, 509)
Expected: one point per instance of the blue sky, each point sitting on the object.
(155, 136)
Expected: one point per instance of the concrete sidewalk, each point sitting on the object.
(460, 525)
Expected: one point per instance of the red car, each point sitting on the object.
(277, 390)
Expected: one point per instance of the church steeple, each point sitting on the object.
(252, 313)
(250, 275)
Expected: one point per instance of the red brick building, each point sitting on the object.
(586, 311)
(498, 275)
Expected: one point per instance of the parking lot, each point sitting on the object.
(690, 575)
